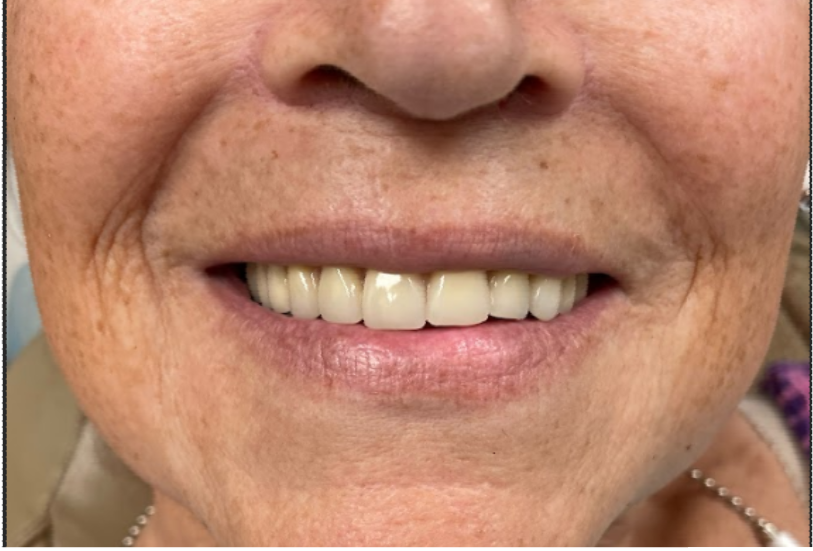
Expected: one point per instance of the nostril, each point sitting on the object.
(532, 95)
(531, 87)
(331, 85)
(331, 76)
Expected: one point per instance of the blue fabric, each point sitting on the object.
(23, 321)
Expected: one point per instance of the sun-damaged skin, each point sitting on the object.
(667, 144)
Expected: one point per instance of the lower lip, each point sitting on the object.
(493, 361)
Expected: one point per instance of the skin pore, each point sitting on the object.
(671, 140)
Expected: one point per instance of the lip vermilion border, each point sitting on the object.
(417, 250)
(484, 363)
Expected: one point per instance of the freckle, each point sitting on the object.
(703, 158)
(274, 154)
(99, 327)
(223, 142)
(720, 84)
(543, 165)
(31, 78)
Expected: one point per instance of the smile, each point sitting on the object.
(397, 301)
(464, 316)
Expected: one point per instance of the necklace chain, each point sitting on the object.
(768, 531)
(140, 523)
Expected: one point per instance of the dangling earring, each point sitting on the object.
(804, 201)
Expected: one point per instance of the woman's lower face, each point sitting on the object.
(472, 165)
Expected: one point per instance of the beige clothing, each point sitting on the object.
(67, 488)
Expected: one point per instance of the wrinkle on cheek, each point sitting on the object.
(118, 269)
(704, 248)
(685, 225)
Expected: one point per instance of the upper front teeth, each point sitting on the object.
(340, 295)
(409, 301)
(458, 298)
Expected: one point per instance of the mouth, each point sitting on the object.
(455, 336)
(439, 322)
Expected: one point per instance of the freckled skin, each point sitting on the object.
(672, 138)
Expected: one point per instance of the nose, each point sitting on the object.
(432, 59)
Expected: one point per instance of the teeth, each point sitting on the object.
(568, 295)
(340, 293)
(510, 295)
(303, 284)
(257, 285)
(546, 294)
(394, 301)
(457, 298)
(408, 301)
(279, 299)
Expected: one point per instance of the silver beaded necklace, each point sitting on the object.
(140, 522)
(767, 531)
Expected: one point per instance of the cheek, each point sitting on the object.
(101, 94)
(719, 96)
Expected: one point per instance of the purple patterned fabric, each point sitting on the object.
(789, 385)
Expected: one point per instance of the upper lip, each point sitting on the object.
(419, 249)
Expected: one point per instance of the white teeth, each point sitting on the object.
(568, 295)
(546, 294)
(303, 285)
(394, 301)
(408, 301)
(510, 295)
(457, 298)
(279, 298)
(255, 275)
(340, 294)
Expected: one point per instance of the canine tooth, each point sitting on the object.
(340, 291)
(510, 295)
(582, 281)
(457, 298)
(279, 299)
(546, 293)
(568, 295)
(303, 285)
(394, 301)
